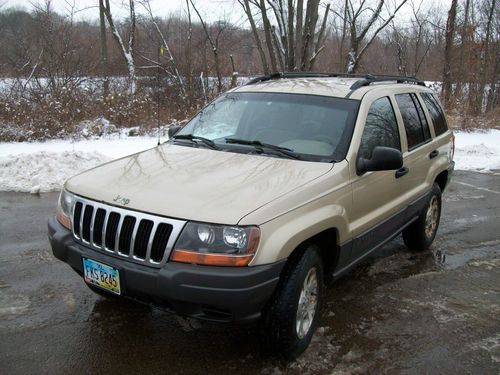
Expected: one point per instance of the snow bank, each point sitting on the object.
(44, 171)
(44, 166)
(477, 151)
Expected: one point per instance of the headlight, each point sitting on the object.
(65, 208)
(216, 245)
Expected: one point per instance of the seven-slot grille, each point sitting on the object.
(142, 238)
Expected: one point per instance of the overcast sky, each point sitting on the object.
(211, 10)
(87, 9)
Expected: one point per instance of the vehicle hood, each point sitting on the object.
(195, 183)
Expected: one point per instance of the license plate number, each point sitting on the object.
(101, 275)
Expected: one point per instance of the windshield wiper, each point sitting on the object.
(264, 146)
(193, 138)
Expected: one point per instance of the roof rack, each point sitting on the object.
(364, 79)
(383, 78)
(278, 75)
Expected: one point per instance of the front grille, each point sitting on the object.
(142, 238)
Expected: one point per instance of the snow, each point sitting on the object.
(44, 166)
(477, 151)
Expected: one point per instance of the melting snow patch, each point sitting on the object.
(491, 345)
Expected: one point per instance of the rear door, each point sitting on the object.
(419, 153)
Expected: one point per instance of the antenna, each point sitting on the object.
(158, 98)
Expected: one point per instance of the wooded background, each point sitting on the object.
(139, 68)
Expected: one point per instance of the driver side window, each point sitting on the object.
(381, 128)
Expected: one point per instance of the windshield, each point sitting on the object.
(313, 127)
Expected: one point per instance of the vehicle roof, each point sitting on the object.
(340, 87)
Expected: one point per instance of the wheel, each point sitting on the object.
(419, 235)
(291, 317)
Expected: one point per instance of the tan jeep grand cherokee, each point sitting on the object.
(269, 191)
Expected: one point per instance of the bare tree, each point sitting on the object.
(448, 50)
(493, 97)
(214, 43)
(126, 50)
(422, 41)
(363, 30)
(490, 9)
(400, 40)
(412, 44)
(293, 42)
(189, 51)
(464, 43)
(104, 49)
(248, 11)
(164, 47)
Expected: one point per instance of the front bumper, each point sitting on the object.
(213, 293)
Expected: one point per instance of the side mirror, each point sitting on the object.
(383, 159)
(172, 130)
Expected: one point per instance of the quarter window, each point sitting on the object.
(416, 127)
(381, 128)
(436, 112)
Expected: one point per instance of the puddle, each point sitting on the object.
(450, 261)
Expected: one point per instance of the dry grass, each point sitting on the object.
(465, 122)
(60, 115)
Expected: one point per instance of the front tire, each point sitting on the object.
(420, 235)
(292, 316)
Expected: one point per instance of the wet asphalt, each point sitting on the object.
(436, 312)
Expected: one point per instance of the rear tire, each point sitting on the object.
(292, 316)
(420, 234)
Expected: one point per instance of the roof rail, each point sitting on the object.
(383, 78)
(302, 75)
(364, 79)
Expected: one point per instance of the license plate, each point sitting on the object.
(101, 275)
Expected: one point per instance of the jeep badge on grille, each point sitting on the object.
(122, 200)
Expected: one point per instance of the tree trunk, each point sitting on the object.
(463, 45)
(298, 34)
(189, 54)
(321, 39)
(268, 35)
(248, 11)
(494, 91)
(448, 50)
(126, 52)
(309, 33)
(484, 60)
(290, 63)
(104, 51)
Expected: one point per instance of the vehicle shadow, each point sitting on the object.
(125, 336)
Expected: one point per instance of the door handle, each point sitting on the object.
(402, 171)
(433, 154)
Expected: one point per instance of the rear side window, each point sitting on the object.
(416, 127)
(381, 128)
(436, 112)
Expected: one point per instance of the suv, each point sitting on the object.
(271, 190)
